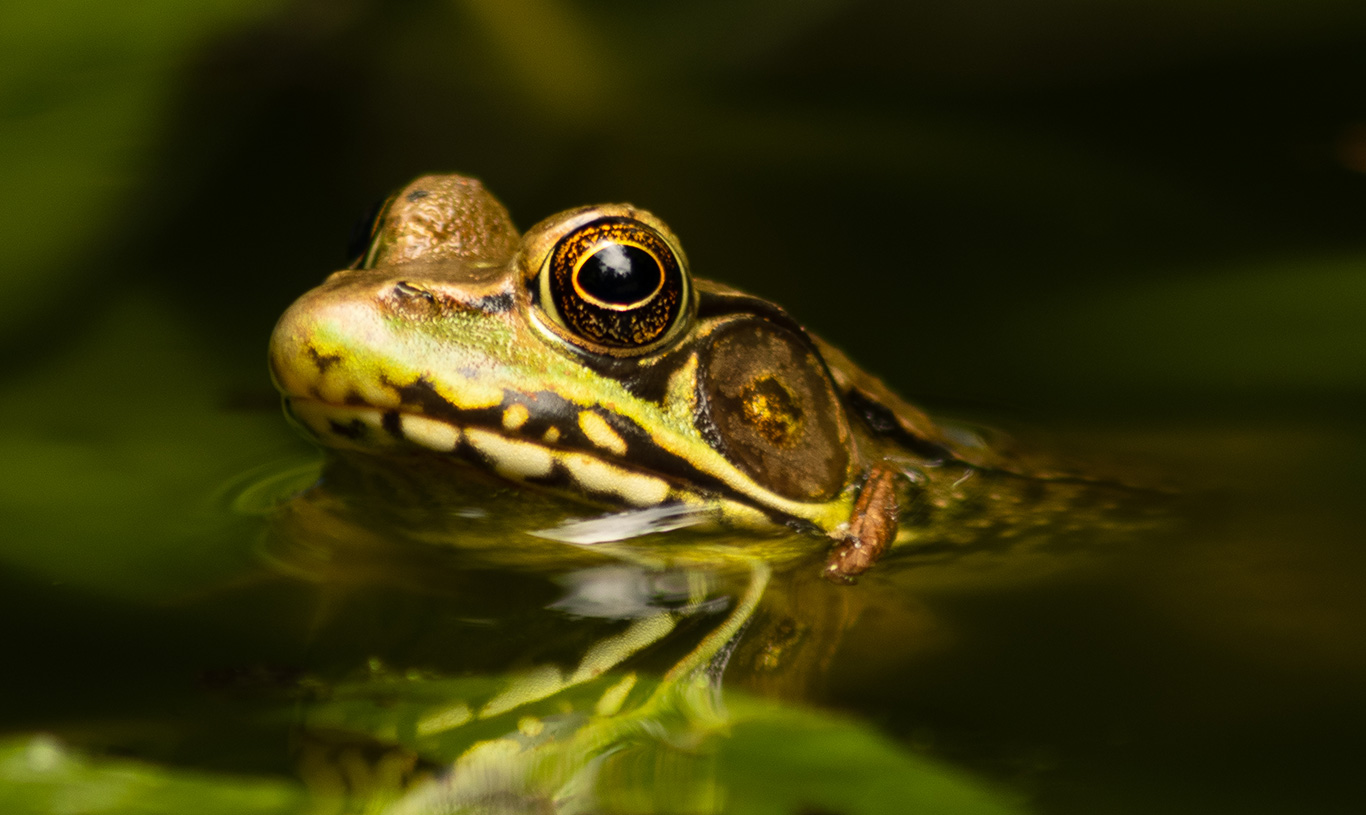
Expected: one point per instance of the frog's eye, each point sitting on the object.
(615, 283)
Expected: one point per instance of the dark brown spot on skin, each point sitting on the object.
(354, 429)
(494, 303)
(322, 361)
(422, 394)
(558, 478)
(544, 410)
(417, 195)
(464, 451)
(393, 425)
(872, 528)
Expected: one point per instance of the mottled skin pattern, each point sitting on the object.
(455, 338)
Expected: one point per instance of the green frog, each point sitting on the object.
(585, 358)
(582, 358)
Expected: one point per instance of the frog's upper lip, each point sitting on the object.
(540, 461)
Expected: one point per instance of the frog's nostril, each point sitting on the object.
(408, 290)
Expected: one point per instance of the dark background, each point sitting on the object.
(1078, 208)
(1137, 224)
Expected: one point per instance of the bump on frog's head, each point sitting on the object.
(441, 216)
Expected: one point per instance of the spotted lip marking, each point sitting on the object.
(430, 433)
(523, 459)
(484, 442)
(548, 411)
(531, 461)
(477, 436)
(515, 416)
(601, 433)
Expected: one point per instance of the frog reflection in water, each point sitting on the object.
(583, 358)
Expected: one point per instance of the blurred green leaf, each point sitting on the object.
(783, 759)
(39, 775)
(763, 756)
(84, 87)
(773, 758)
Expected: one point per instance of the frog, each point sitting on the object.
(585, 358)
(458, 357)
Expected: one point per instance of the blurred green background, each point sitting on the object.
(1070, 206)
(1146, 217)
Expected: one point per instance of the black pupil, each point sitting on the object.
(620, 274)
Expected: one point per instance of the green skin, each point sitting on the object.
(442, 344)
(439, 341)
(368, 340)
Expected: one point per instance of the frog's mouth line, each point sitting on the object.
(570, 459)
(369, 429)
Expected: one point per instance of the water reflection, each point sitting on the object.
(569, 677)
